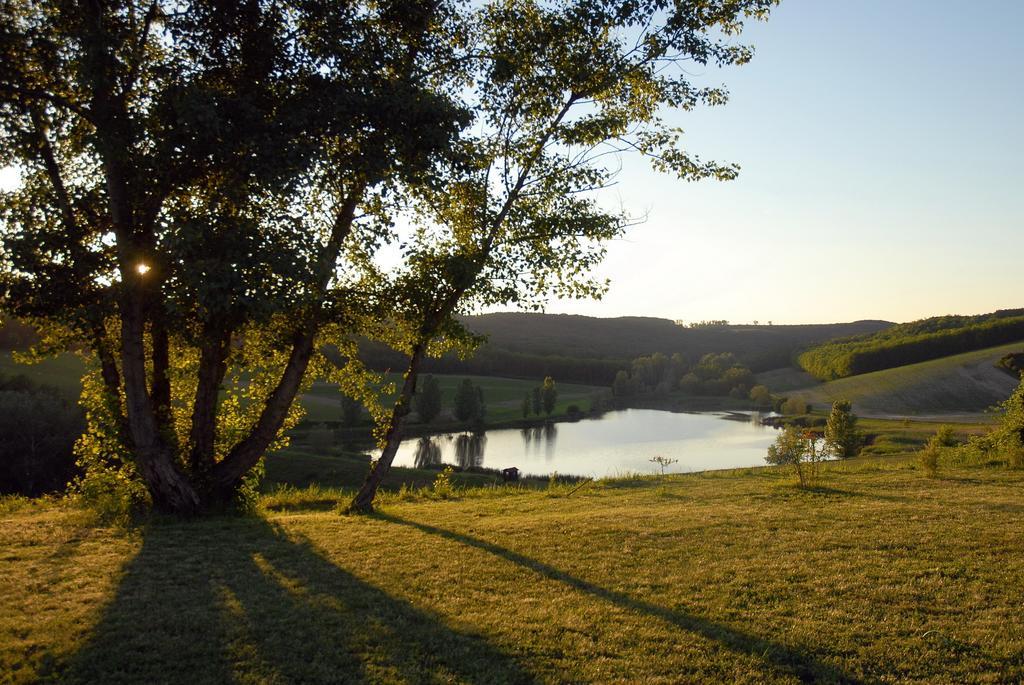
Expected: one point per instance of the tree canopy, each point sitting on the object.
(207, 188)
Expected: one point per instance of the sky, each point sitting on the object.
(881, 146)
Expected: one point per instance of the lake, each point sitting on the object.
(617, 443)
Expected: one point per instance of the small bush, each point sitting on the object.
(443, 487)
(928, 458)
(946, 437)
(793, 406)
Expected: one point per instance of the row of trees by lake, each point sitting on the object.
(715, 374)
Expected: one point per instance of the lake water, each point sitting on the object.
(617, 443)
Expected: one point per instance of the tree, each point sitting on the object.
(1009, 435)
(761, 396)
(549, 395)
(351, 410)
(428, 400)
(467, 401)
(481, 404)
(623, 385)
(192, 176)
(526, 405)
(537, 401)
(793, 406)
(663, 462)
(842, 438)
(793, 447)
(556, 89)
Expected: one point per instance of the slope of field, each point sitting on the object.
(961, 386)
(737, 578)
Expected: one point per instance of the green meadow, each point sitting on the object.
(504, 396)
(879, 574)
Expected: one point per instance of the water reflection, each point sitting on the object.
(469, 450)
(619, 442)
(550, 434)
(428, 453)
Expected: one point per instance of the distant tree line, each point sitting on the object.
(541, 399)
(910, 343)
(488, 361)
(715, 374)
(38, 430)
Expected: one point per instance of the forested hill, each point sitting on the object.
(587, 349)
(631, 336)
(913, 342)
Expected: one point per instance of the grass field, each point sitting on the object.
(960, 387)
(879, 575)
(299, 467)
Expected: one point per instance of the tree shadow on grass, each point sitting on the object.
(780, 657)
(236, 599)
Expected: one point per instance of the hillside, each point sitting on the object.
(632, 336)
(909, 343)
(964, 384)
(725, 577)
(591, 350)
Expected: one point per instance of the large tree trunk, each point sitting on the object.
(362, 503)
(227, 475)
(212, 367)
(160, 385)
(168, 486)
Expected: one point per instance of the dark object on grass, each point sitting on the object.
(509, 474)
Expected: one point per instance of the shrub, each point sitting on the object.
(928, 457)
(797, 448)
(794, 405)
(1010, 434)
(761, 396)
(946, 437)
(443, 487)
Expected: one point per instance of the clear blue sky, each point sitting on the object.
(881, 147)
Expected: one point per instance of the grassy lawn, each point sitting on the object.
(880, 574)
(332, 468)
(965, 384)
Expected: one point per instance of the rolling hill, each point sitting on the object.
(961, 386)
(590, 350)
